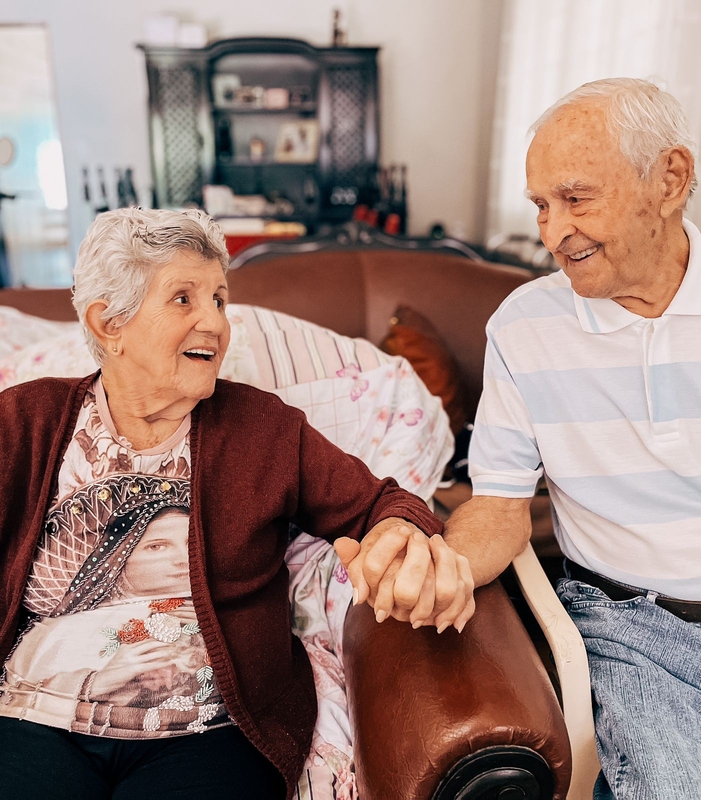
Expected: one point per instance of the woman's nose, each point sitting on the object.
(211, 318)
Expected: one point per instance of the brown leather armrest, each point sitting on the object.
(420, 701)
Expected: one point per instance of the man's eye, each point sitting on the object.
(219, 302)
(182, 299)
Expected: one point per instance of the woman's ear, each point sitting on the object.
(677, 174)
(104, 330)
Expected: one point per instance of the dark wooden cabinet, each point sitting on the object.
(241, 112)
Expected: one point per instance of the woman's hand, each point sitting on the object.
(137, 660)
(405, 574)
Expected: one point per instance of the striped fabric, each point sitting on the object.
(289, 351)
(608, 405)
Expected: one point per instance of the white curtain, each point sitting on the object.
(550, 47)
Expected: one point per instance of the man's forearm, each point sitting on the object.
(490, 532)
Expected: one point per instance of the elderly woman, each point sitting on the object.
(144, 515)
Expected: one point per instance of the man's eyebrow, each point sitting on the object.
(567, 187)
(573, 186)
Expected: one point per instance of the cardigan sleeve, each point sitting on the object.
(339, 496)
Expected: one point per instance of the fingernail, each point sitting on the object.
(355, 597)
(381, 616)
(460, 627)
(443, 626)
(417, 624)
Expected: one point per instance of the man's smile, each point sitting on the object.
(582, 254)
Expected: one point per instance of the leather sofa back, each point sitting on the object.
(355, 293)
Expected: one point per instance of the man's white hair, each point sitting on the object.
(645, 119)
(124, 249)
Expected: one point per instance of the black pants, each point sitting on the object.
(42, 763)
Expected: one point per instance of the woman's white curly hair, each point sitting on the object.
(124, 249)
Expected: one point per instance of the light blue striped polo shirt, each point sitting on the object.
(608, 405)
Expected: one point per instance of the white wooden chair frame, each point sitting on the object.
(572, 669)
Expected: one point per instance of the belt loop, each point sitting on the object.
(652, 596)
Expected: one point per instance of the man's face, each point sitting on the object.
(596, 215)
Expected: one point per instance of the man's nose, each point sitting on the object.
(558, 226)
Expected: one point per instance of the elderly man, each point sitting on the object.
(593, 377)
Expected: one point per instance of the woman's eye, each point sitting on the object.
(182, 299)
(219, 302)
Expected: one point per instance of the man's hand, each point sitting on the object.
(405, 574)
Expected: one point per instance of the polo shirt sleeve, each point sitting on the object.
(504, 460)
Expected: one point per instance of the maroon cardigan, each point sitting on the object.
(256, 465)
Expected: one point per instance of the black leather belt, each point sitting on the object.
(688, 610)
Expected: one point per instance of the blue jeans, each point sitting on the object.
(645, 666)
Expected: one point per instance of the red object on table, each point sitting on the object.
(234, 244)
(372, 216)
(392, 224)
(360, 213)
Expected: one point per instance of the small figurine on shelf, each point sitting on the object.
(339, 35)
(256, 149)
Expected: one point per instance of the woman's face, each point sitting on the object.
(172, 349)
(158, 565)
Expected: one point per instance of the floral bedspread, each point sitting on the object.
(384, 416)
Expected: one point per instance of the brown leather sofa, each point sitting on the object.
(444, 717)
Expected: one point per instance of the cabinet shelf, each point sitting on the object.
(245, 161)
(305, 108)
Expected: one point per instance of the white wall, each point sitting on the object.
(438, 67)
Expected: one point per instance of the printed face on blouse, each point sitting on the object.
(174, 345)
(158, 565)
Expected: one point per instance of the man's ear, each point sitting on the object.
(104, 330)
(677, 168)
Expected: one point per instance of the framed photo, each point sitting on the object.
(224, 89)
(298, 142)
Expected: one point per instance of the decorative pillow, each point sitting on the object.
(414, 337)
(65, 355)
(290, 351)
(19, 330)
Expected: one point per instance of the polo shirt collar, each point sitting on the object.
(602, 315)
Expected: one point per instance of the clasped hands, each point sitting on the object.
(405, 574)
